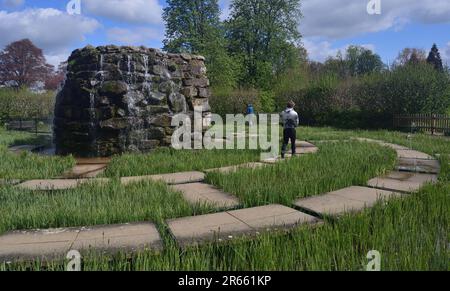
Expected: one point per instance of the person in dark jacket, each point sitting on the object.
(290, 121)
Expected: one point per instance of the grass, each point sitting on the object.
(336, 166)
(92, 204)
(410, 233)
(164, 161)
(27, 166)
(407, 241)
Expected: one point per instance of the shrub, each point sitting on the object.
(234, 101)
(24, 104)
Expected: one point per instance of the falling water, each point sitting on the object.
(129, 59)
(147, 85)
(131, 99)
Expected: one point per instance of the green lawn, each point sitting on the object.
(171, 161)
(336, 166)
(28, 166)
(91, 204)
(411, 233)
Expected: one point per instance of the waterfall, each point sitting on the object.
(101, 72)
(129, 59)
(147, 85)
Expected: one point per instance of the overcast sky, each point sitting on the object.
(327, 26)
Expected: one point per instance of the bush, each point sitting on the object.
(234, 101)
(267, 100)
(409, 89)
(23, 104)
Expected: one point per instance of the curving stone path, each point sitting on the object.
(234, 224)
(57, 184)
(351, 199)
(56, 243)
(205, 194)
(413, 171)
(171, 179)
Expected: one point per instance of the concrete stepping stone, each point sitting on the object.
(56, 243)
(233, 169)
(9, 182)
(394, 146)
(229, 225)
(304, 144)
(132, 237)
(85, 171)
(419, 166)
(411, 154)
(56, 184)
(196, 193)
(171, 179)
(272, 217)
(36, 244)
(351, 199)
(403, 181)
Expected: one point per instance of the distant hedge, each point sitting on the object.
(23, 104)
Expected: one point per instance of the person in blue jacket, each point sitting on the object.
(251, 111)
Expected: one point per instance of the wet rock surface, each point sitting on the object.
(122, 99)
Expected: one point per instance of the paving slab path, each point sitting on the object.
(171, 179)
(411, 154)
(201, 193)
(57, 184)
(9, 182)
(85, 171)
(233, 224)
(418, 165)
(351, 199)
(415, 169)
(403, 181)
(53, 244)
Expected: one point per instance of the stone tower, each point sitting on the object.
(122, 99)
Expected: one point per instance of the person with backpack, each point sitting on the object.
(290, 121)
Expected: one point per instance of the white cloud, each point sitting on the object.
(136, 11)
(321, 50)
(337, 19)
(49, 29)
(56, 59)
(136, 36)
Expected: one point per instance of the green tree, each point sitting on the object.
(410, 56)
(264, 34)
(190, 25)
(357, 61)
(362, 61)
(434, 58)
(194, 26)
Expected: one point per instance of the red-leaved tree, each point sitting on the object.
(23, 64)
